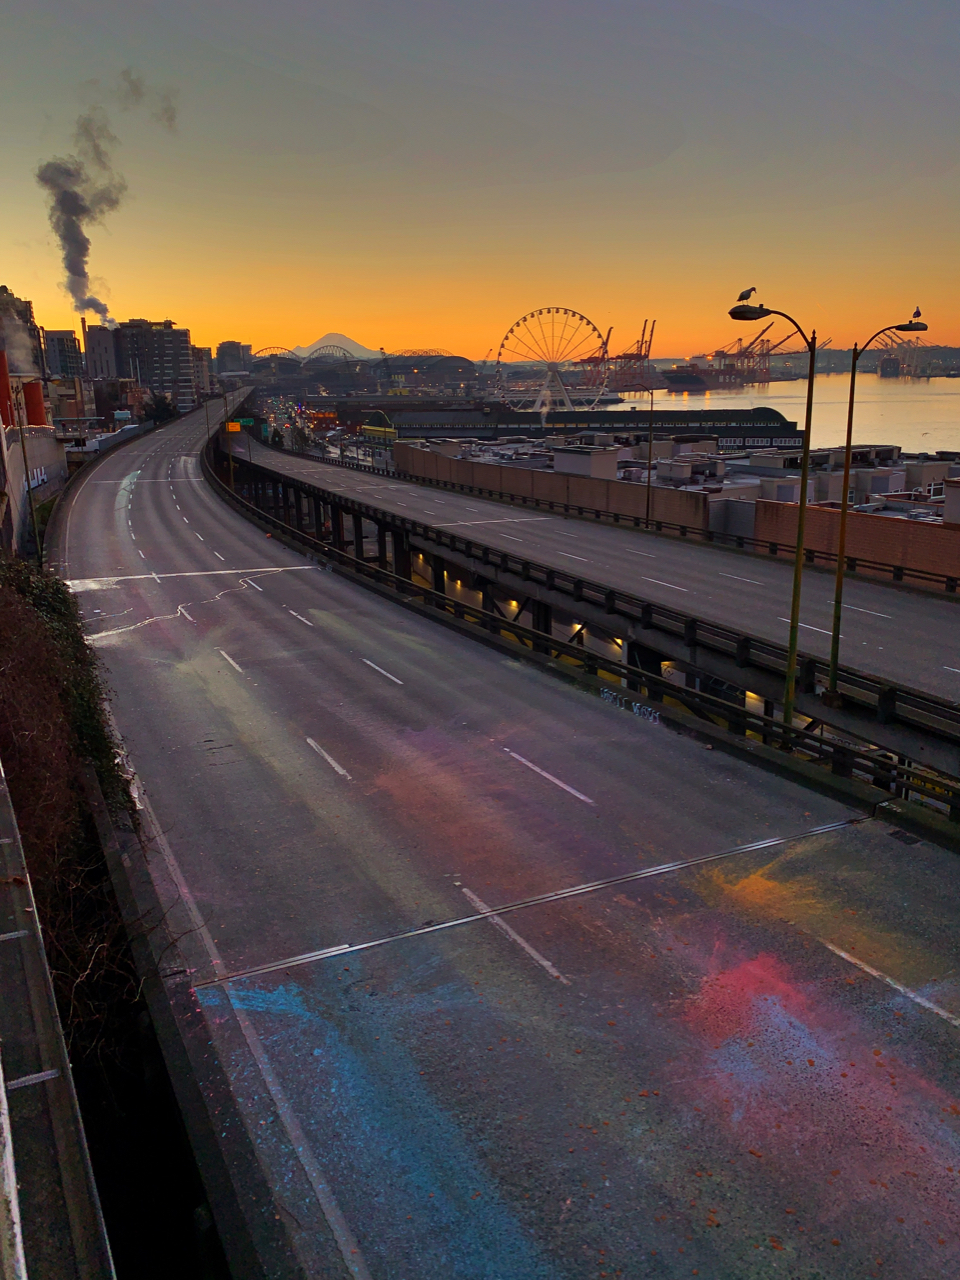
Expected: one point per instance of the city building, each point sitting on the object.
(100, 344)
(63, 354)
(119, 400)
(72, 401)
(202, 362)
(232, 357)
(160, 357)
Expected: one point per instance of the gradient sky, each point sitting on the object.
(422, 173)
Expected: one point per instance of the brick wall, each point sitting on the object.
(619, 496)
(907, 543)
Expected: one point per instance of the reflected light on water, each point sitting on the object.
(916, 413)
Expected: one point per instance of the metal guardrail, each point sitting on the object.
(58, 1214)
(866, 763)
(739, 542)
(889, 701)
(13, 1263)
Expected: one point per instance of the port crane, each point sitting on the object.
(631, 370)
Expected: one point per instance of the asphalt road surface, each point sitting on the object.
(903, 635)
(738, 1068)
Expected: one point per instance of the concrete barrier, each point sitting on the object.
(909, 544)
(619, 497)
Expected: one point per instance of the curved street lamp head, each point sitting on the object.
(912, 326)
(745, 311)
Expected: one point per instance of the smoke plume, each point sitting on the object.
(84, 187)
(15, 340)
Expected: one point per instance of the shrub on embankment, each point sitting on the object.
(52, 720)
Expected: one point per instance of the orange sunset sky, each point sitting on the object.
(420, 175)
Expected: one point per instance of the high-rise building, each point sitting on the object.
(101, 351)
(63, 354)
(230, 357)
(202, 360)
(159, 356)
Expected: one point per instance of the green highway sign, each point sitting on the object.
(245, 422)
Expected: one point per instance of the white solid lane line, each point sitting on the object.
(549, 777)
(329, 759)
(870, 611)
(736, 579)
(223, 653)
(570, 557)
(806, 626)
(91, 584)
(672, 585)
(301, 617)
(897, 986)
(512, 934)
(381, 670)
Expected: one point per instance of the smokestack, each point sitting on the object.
(6, 395)
(83, 326)
(33, 403)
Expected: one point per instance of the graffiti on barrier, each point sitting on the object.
(638, 708)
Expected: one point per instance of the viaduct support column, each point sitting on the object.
(638, 655)
(542, 620)
(336, 525)
(439, 569)
(298, 508)
(358, 536)
(486, 596)
(401, 553)
(382, 546)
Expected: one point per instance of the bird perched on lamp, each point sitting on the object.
(745, 295)
(916, 314)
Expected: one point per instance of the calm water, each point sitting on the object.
(919, 414)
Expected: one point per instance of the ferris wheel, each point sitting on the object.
(552, 357)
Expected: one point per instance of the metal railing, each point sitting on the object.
(862, 761)
(889, 701)
(13, 1264)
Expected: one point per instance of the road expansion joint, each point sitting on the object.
(556, 895)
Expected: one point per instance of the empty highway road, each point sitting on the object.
(739, 1067)
(905, 636)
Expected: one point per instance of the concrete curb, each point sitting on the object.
(254, 1242)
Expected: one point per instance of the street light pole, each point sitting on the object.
(830, 696)
(750, 313)
(649, 460)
